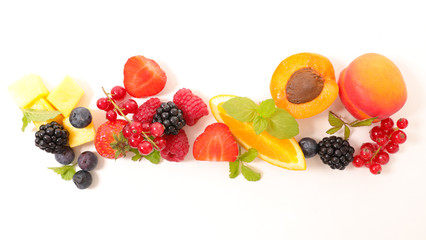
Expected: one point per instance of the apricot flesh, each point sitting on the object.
(304, 84)
(372, 86)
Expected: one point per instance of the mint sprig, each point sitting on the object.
(337, 123)
(66, 172)
(238, 166)
(265, 116)
(36, 116)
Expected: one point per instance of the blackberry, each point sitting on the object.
(171, 117)
(51, 137)
(336, 152)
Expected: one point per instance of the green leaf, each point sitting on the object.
(259, 124)
(137, 156)
(154, 157)
(234, 169)
(266, 108)
(248, 156)
(333, 130)
(250, 174)
(282, 125)
(25, 122)
(39, 115)
(366, 122)
(66, 172)
(241, 108)
(334, 120)
(347, 132)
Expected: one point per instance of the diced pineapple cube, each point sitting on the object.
(43, 104)
(28, 89)
(65, 96)
(79, 136)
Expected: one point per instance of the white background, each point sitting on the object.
(212, 48)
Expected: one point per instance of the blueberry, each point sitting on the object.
(309, 147)
(66, 157)
(80, 117)
(82, 179)
(87, 161)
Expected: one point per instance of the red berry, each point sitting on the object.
(156, 129)
(399, 137)
(102, 103)
(147, 110)
(367, 164)
(358, 161)
(160, 142)
(386, 123)
(382, 158)
(131, 106)
(388, 132)
(177, 146)
(375, 168)
(135, 140)
(127, 133)
(192, 106)
(145, 148)
(110, 106)
(145, 127)
(123, 109)
(402, 123)
(382, 141)
(392, 147)
(111, 115)
(368, 145)
(118, 93)
(136, 128)
(376, 132)
(366, 153)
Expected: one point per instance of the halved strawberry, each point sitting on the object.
(106, 145)
(216, 143)
(143, 77)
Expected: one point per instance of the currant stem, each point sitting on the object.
(378, 150)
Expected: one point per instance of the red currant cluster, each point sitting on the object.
(118, 93)
(387, 140)
(145, 136)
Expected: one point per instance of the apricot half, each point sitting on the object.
(304, 84)
(372, 86)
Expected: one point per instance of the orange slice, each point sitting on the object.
(285, 153)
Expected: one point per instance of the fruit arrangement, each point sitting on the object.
(303, 85)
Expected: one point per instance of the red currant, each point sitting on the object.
(368, 145)
(392, 147)
(358, 161)
(102, 103)
(131, 106)
(367, 164)
(402, 123)
(399, 137)
(118, 93)
(145, 127)
(135, 140)
(382, 141)
(110, 106)
(136, 128)
(386, 123)
(375, 168)
(127, 133)
(145, 148)
(366, 153)
(156, 129)
(376, 132)
(111, 115)
(382, 158)
(160, 142)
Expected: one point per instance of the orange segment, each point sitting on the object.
(285, 153)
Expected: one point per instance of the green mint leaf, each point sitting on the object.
(259, 124)
(266, 108)
(347, 132)
(333, 130)
(248, 156)
(282, 125)
(39, 115)
(334, 120)
(66, 172)
(234, 169)
(25, 122)
(366, 122)
(249, 173)
(154, 157)
(137, 156)
(241, 108)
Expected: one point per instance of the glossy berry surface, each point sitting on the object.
(87, 161)
(358, 161)
(134, 140)
(118, 93)
(376, 132)
(399, 137)
(80, 117)
(156, 129)
(145, 148)
(127, 133)
(135, 128)
(386, 123)
(160, 143)
(402, 123)
(66, 157)
(131, 106)
(335, 152)
(375, 168)
(392, 147)
(103, 104)
(122, 108)
(382, 158)
(309, 147)
(82, 179)
(111, 115)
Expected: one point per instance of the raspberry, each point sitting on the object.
(192, 106)
(177, 146)
(146, 111)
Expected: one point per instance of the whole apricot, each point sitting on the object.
(372, 86)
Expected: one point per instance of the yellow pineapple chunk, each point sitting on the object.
(43, 104)
(28, 89)
(79, 136)
(66, 96)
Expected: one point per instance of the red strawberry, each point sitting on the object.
(143, 77)
(216, 143)
(104, 137)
